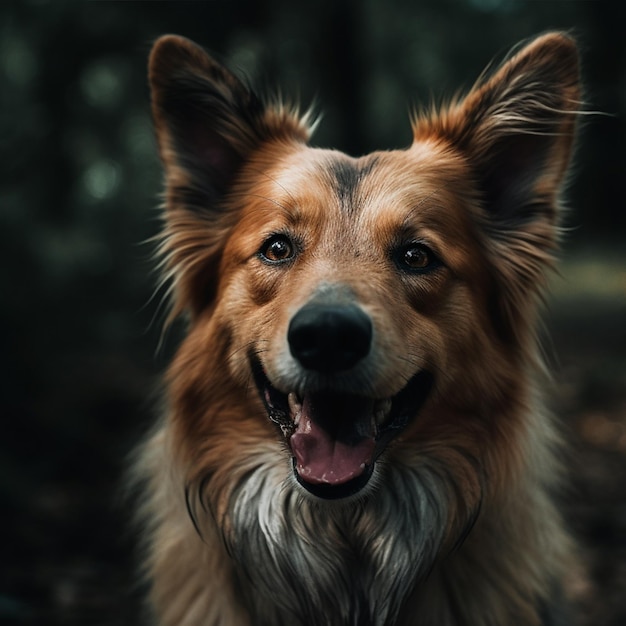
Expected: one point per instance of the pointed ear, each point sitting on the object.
(207, 121)
(516, 129)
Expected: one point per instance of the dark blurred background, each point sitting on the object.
(79, 184)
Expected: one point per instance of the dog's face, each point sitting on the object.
(349, 284)
(370, 301)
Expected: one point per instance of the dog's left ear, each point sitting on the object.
(516, 129)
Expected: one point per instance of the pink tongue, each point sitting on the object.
(337, 456)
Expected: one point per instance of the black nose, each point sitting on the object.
(329, 338)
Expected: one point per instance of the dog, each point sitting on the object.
(354, 431)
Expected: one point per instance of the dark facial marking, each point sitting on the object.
(345, 175)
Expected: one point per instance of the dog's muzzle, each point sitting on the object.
(336, 437)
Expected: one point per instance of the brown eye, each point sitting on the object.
(277, 248)
(416, 257)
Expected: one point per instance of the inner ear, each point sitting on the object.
(509, 180)
(210, 159)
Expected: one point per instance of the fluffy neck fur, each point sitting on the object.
(379, 560)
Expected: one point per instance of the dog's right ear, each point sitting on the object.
(208, 123)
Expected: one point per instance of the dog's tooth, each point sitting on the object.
(294, 407)
(294, 404)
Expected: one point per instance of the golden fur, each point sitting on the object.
(440, 251)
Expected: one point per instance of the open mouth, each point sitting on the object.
(335, 438)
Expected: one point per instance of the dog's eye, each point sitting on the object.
(416, 257)
(277, 248)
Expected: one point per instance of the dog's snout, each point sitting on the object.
(330, 338)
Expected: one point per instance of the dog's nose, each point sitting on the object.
(329, 338)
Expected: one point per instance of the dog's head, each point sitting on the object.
(386, 298)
